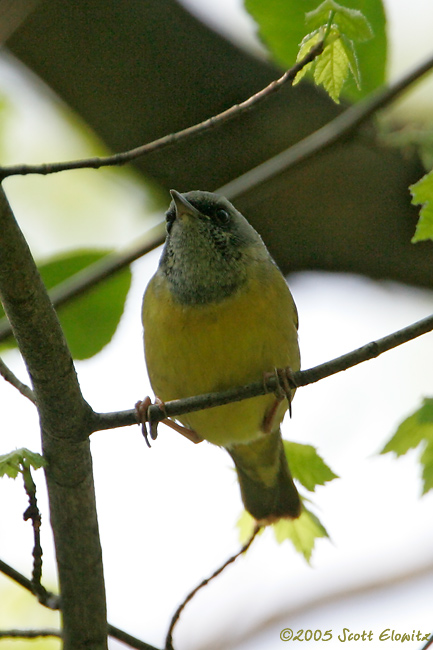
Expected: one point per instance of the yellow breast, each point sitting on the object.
(197, 349)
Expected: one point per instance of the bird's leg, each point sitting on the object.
(144, 417)
(284, 390)
(184, 431)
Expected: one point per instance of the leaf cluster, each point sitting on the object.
(310, 470)
(18, 461)
(350, 46)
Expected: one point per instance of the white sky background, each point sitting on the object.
(167, 516)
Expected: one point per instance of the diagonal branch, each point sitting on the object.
(341, 127)
(96, 273)
(9, 376)
(204, 583)
(53, 602)
(174, 408)
(173, 138)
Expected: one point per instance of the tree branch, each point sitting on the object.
(33, 513)
(29, 634)
(96, 273)
(343, 126)
(174, 408)
(173, 138)
(9, 376)
(53, 602)
(190, 596)
(64, 417)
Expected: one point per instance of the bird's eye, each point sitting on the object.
(223, 217)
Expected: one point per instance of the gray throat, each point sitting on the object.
(201, 278)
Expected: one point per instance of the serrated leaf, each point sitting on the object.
(331, 69)
(320, 15)
(426, 461)
(422, 194)
(89, 321)
(307, 466)
(412, 431)
(308, 42)
(302, 532)
(12, 464)
(415, 430)
(352, 60)
(351, 22)
(281, 26)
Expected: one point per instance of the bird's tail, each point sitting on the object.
(267, 487)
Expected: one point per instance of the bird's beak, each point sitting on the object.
(183, 207)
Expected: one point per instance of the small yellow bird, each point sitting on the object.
(218, 314)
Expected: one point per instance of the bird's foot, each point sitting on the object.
(284, 390)
(149, 425)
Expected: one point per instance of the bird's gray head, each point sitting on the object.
(209, 248)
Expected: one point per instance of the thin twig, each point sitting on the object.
(96, 273)
(339, 128)
(53, 602)
(174, 408)
(342, 126)
(33, 513)
(173, 138)
(9, 376)
(178, 612)
(29, 634)
(132, 641)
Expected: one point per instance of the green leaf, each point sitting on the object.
(12, 464)
(308, 42)
(422, 194)
(320, 15)
(302, 532)
(415, 430)
(412, 431)
(281, 26)
(307, 466)
(426, 461)
(331, 69)
(88, 321)
(352, 60)
(245, 525)
(354, 25)
(350, 22)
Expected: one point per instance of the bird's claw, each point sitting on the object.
(149, 427)
(284, 390)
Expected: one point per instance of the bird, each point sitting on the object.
(218, 314)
